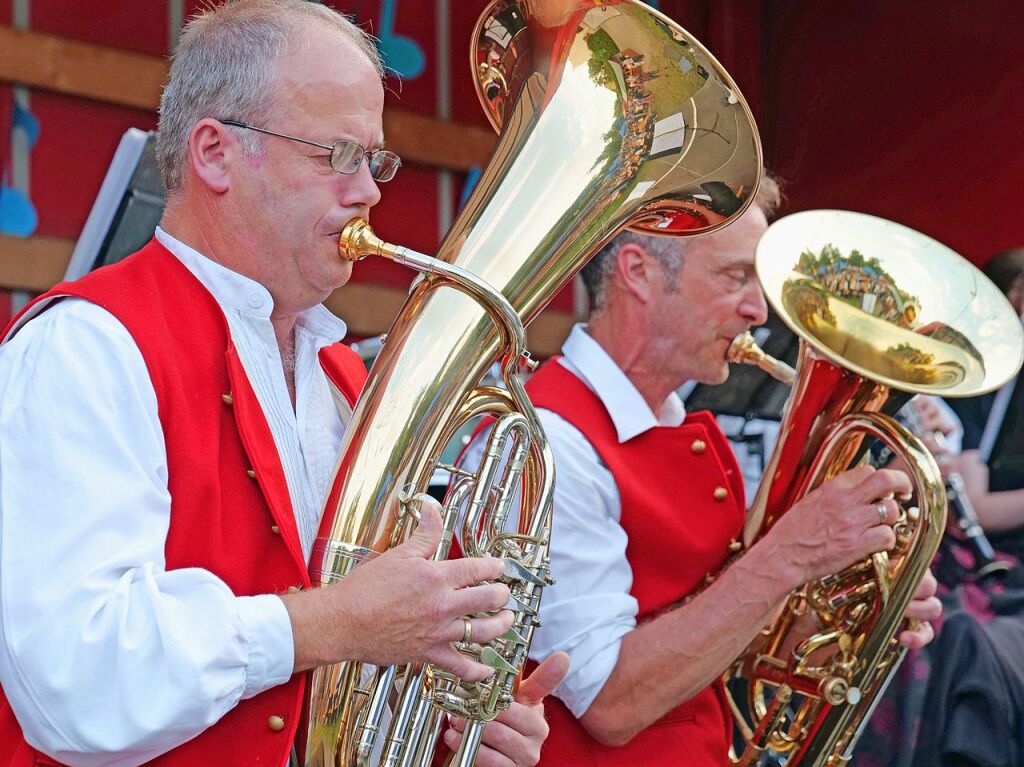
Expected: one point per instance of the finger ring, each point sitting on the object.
(467, 631)
(883, 513)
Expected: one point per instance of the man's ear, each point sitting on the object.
(211, 150)
(634, 269)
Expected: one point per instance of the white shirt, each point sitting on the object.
(101, 649)
(589, 609)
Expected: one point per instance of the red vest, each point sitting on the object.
(222, 520)
(682, 503)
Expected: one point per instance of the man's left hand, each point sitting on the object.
(515, 737)
(924, 608)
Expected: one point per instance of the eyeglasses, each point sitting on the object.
(346, 156)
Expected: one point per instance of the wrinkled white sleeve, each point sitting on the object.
(105, 657)
(589, 609)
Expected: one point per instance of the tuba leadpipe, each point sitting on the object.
(610, 116)
(882, 313)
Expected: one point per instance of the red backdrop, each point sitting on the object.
(908, 110)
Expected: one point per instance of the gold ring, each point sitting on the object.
(467, 631)
(883, 513)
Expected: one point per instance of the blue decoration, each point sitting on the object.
(402, 54)
(18, 217)
(472, 177)
(27, 122)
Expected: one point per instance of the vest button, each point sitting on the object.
(720, 493)
(228, 399)
(251, 473)
(275, 529)
(698, 446)
(294, 589)
(276, 723)
(735, 546)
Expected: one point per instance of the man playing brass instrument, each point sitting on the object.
(649, 504)
(167, 437)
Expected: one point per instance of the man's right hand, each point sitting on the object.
(838, 523)
(401, 607)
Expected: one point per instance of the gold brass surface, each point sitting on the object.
(887, 302)
(882, 312)
(611, 116)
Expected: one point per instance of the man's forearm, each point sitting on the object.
(670, 659)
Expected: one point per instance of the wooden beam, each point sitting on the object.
(38, 263)
(114, 76)
(369, 310)
(81, 69)
(426, 141)
(34, 263)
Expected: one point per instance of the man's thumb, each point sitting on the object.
(543, 680)
(424, 540)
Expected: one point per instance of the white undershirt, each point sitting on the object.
(589, 609)
(105, 657)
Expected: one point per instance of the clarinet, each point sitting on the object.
(986, 565)
(964, 517)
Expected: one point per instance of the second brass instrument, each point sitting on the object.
(882, 312)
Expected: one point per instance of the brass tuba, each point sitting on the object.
(882, 312)
(610, 116)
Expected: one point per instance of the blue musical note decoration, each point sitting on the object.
(402, 54)
(18, 215)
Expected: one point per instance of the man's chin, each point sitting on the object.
(717, 375)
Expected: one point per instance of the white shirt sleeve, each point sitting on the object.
(589, 609)
(106, 658)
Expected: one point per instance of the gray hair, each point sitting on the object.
(667, 251)
(225, 66)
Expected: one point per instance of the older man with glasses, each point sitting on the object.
(168, 435)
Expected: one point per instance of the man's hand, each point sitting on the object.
(401, 607)
(924, 608)
(841, 522)
(515, 737)
(968, 465)
(934, 422)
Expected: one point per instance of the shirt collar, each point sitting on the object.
(244, 294)
(629, 411)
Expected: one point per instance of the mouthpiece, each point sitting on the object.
(744, 350)
(357, 241)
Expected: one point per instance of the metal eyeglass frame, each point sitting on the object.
(339, 162)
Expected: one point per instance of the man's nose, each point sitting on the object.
(360, 189)
(754, 307)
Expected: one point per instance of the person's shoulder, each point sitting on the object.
(69, 313)
(68, 328)
(563, 436)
